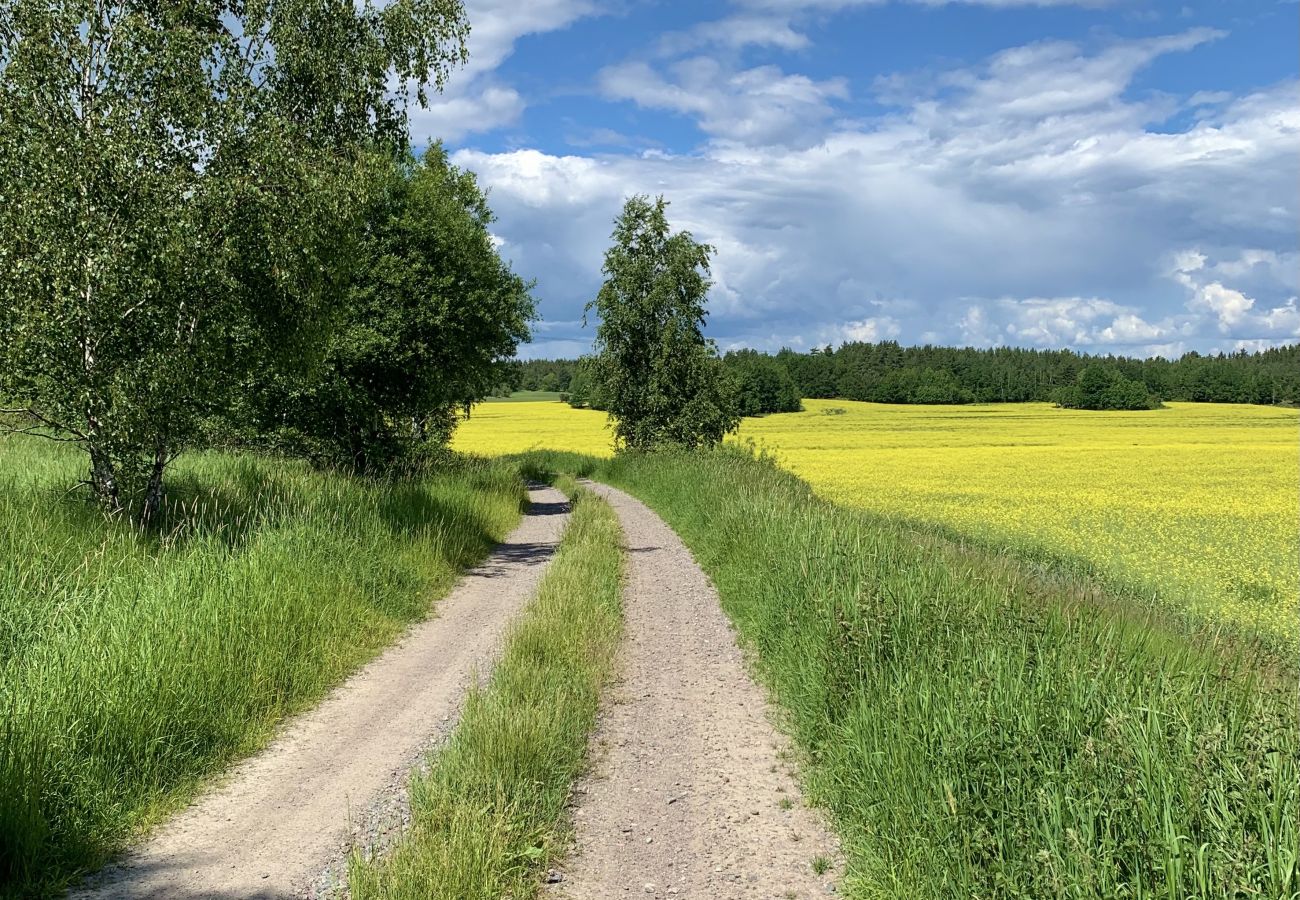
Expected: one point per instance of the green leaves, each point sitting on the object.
(661, 378)
(182, 182)
(1099, 387)
(428, 316)
(763, 384)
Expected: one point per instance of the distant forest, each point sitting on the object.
(889, 373)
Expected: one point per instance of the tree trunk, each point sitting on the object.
(103, 480)
(153, 492)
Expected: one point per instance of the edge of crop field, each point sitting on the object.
(975, 729)
(1176, 612)
(1088, 581)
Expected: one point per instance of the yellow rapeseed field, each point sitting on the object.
(1198, 502)
(495, 429)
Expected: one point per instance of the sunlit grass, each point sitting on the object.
(488, 815)
(980, 727)
(1195, 504)
(133, 665)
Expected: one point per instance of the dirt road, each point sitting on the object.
(690, 794)
(283, 821)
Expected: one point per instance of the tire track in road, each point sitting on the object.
(281, 824)
(690, 793)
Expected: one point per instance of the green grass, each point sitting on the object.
(526, 397)
(981, 728)
(133, 666)
(489, 813)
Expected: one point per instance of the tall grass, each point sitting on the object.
(977, 728)
(488, 814)
(133, 665)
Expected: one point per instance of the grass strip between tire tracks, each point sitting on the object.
(489, 813)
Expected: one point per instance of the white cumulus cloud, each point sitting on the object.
(1026, 199)
(759, 106)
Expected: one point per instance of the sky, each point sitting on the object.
(1105, 175)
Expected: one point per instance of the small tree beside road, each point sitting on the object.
(661, 378)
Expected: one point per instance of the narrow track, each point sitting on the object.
(691, 794)
(280, 825)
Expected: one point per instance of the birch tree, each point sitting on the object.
(177, 180)
(661, 378)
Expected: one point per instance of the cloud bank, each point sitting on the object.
(1032, 199)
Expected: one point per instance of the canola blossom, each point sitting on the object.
(497, 429)
(1196, 503)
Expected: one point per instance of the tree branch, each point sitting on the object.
(43, 420)
(34, 431)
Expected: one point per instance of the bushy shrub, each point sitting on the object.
(426, 323)
(585, 390)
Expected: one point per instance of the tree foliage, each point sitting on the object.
(761, 383)
(546, 374)
(887, 373)
(429, 319)
(1098, 387)
(585, 389)
(662, 379)
(176, 182)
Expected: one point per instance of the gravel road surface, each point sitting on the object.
(691, 793)
(281, 824)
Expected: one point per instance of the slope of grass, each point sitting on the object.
(133, 665)
(488, 814)
(1194, 504)
(980, 729)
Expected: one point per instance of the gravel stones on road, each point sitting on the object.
(691, 793)
(336, 776)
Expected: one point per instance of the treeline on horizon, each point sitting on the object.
(887, 372)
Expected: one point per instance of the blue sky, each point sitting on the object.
(1108, 176)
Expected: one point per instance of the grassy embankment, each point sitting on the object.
(1192, 507)
(134, 665)
(979, 728)
(488, 814)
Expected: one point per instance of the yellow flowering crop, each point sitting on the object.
(1200, 502)
(495, 429)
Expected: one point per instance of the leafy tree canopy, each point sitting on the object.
(585, 390)
(763, 385)
(430, 318)
(888, 373)
(662, 379)
(1098, 387)
(176, 182)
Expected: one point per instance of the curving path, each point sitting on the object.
(690, 794)
(285, 819)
